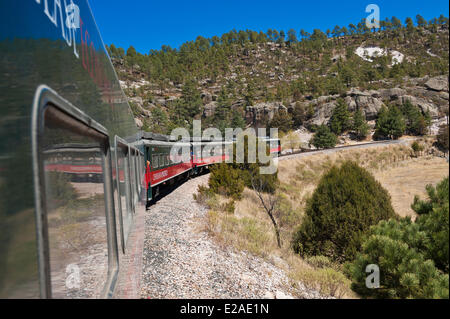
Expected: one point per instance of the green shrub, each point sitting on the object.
(347, 201)
(434, 221)
(416, 147)
(396, 248)
(412, 256)
(224, 179)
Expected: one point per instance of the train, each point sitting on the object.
(74, 167)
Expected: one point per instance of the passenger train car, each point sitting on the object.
(74, 168)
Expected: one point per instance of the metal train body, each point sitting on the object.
(73, 164)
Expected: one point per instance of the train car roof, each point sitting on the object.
(164, 143)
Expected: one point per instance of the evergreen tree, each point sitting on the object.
(390, 123)
(340, 120)
(281, 120)
(324, 138)
(360, 125)
(347, 201)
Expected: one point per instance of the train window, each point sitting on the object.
(155, 161)
(161, 159)
(167, 160)
(123, 189)
(74, 202)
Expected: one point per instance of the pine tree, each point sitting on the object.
(360, 125)
(324, 138)
(390, 123)
(340, 119)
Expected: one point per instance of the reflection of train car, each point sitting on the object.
(66, 159)
(65, 124)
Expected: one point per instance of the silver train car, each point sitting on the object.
(69, 146)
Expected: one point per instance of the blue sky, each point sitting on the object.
(148, 24)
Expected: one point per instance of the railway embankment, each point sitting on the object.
(181, 260)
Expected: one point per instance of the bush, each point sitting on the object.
(412, 256)
(324, 138)
(347, 201)
(416, 147)
(230, 179)
(327, 281)
(396, 248)
(226, 180)
(434, 221)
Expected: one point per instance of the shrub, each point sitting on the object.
(416, 147)
(434, 221)
(226, 180)
(396, 248)
(327, 281)
(347, 201)
(412, 256)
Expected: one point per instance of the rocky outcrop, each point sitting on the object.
(439, 83)
(256, 112)
(209, 109)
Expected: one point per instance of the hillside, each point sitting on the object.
(245, 78)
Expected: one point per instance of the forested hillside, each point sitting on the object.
(292, 79)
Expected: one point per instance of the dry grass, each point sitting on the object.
(410, 178)
(249, 228)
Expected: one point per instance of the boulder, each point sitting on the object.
(439, 83)
(323, 113)
(206, 97)
(392, 93)
(209, 109)
(255, 112)
(369, 105)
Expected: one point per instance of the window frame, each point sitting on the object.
(123, 145)
(76, 121)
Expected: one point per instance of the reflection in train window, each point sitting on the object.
(74, 198)
(123, 179)
(155, 161)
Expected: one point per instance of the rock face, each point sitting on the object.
(439, 83)
(430, 96)
(209, 109)
(256, 112)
